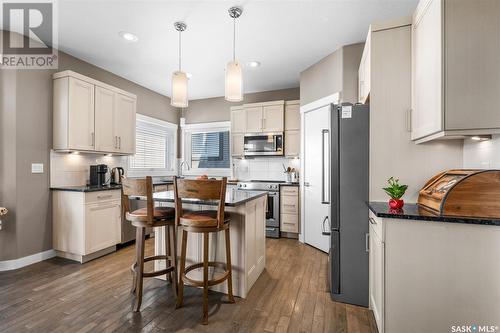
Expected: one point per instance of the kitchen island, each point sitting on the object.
(430, 273)
(247, 210)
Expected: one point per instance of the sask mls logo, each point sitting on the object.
(28, 35)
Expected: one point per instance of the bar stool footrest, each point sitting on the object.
(167, 270)
(199, 283)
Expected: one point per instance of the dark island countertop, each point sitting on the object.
(234, 197)
(412, 211)
(86, 188)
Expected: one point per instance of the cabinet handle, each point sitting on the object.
(104, 196)
(367, 242)
(372, 220)
(119, 142)
(408, 120)
(93, 138)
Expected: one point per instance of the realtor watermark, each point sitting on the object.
(29, 38)
(474, 328)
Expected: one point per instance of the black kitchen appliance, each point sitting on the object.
(98, 175)
(263, 144)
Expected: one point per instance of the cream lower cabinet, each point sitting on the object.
(376, 279)
(289, 209)
(86, 225)
(89, 115)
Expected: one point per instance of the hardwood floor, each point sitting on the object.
(61, 296)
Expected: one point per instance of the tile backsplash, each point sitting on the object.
(482, 154)
(70, 169)
(263, 168)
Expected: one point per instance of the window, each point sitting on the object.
(155, 147)
(207, 149)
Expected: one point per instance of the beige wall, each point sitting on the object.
(218, 109)
(26, 133)
(337, 72)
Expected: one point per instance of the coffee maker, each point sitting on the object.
(98, 175)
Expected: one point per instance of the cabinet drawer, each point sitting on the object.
(289, 223)
(376, 223)
(289, 204)
(289, 190)
(102, 196)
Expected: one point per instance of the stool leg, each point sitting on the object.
(180, 296)
(140, 267)
(134, 272)
(229, 268)
(167, 251)
(173, 274)
(205, 278)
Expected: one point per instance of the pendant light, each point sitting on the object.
(179, 97)
(234, 77)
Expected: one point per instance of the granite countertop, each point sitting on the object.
(234, 197)
(415, 212)
(86, 188)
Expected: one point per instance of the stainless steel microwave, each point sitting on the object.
(263, 144)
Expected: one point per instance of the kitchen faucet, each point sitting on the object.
(187, 166)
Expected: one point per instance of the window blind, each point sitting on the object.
(154, 147)
(210, 149)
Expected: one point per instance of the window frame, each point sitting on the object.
(142, 172)
(187, 130)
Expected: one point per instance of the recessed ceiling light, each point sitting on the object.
(253, 64)
(128, 36)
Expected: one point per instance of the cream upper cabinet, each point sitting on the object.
(292, 115)
(364, 72)
(238, 119)
(105, 114)
(237, 144)
(427, 113)
(89, 115)
(273, 118)
(292, 143)
(253, 119)
(265, 117)
(74, 114)
(455, 69)
(125, 123)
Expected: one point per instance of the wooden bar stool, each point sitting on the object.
(149, 217)
(204, 222)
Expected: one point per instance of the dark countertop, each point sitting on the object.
(234, 197)
(86, 188)
(415, 212)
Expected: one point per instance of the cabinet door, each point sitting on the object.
(292, 143)
(81, 134)
(125, 123)
(376, 278)
(253, 119)
(292, 117)
(237, 142)
(105, 137)
(273, 118)
(238, 121)
(427, 110)
(102, 225)
(289, 223)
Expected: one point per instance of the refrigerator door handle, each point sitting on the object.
(325, 231)
(324, 199)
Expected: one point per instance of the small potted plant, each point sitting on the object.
(3, 211)
(396, 191)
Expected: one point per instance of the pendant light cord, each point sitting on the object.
(179, 51)
(234, 39)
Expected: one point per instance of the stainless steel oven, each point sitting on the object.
(263, 144)
(273, 204)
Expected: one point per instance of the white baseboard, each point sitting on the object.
(8, 265)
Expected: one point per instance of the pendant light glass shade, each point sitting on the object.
(179, 89)
(234, 82)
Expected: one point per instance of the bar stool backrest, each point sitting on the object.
(141, 188)
(209, 189)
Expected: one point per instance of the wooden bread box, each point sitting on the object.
(468, 193)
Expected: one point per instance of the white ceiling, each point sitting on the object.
(285, 36)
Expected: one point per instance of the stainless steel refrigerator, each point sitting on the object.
(348, 193)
